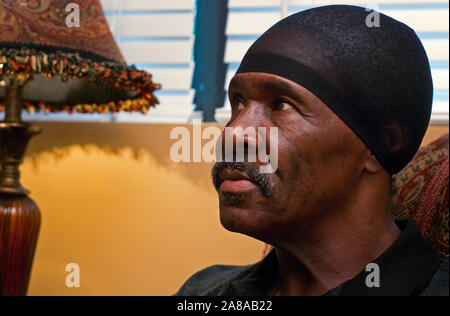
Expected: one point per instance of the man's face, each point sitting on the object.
(319, 160)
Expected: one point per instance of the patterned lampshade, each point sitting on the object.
(67, 48)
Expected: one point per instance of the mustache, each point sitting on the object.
(251, 170)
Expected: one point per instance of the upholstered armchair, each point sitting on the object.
(420, 191)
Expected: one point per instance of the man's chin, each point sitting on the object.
(232, 207)
(232, 200)
(233, 220)
(239, 215)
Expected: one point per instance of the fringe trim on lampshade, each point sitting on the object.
(69, 65)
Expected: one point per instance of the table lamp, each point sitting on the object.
(55, 55)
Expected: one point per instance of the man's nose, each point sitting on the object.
(246, 133)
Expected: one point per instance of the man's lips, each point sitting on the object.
(236, 182)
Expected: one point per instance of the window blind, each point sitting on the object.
(157, 36)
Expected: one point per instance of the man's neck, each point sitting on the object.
(332, 250)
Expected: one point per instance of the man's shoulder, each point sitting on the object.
(211, 281)
(439, 283)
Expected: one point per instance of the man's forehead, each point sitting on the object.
(265, 82)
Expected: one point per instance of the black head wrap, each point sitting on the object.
(376, 79)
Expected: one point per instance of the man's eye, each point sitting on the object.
(238, 105)
(283, 106)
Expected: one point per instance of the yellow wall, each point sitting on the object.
(113, 202)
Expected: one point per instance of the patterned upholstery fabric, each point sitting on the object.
(420, 191)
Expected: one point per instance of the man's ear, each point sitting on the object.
(371, 163)
(393, 136)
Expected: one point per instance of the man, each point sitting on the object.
(351, 104)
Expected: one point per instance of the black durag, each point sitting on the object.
(376, 79)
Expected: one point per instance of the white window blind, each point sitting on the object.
(157, 36)
(247, 19)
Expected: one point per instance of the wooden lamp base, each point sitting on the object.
(19, 215)
(19, 228)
